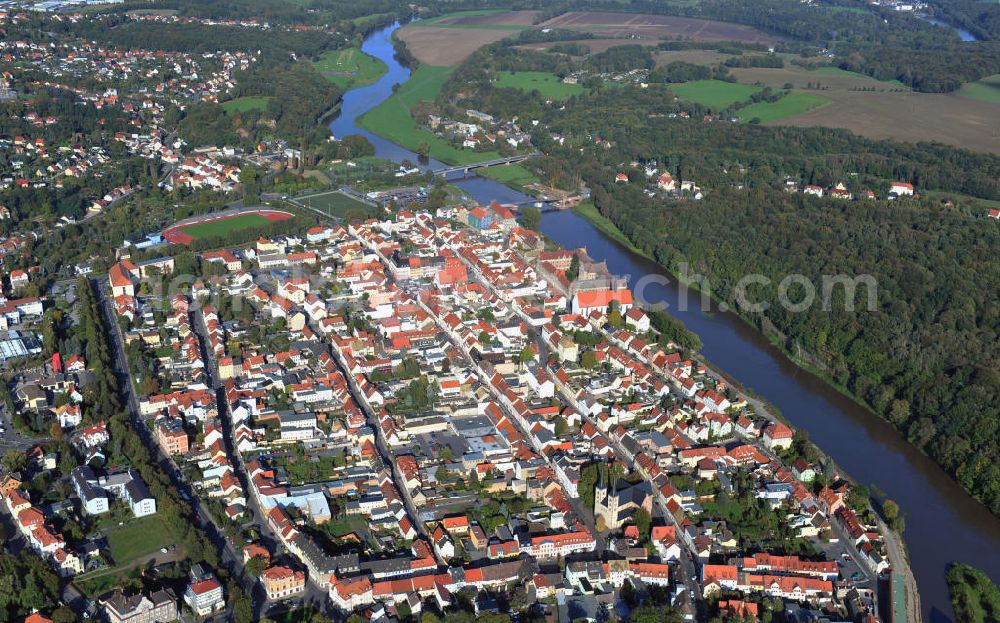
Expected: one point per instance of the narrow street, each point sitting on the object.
(270, 540)
(229, 559)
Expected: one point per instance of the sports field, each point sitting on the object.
(350, 67)
(243, 104)
(549, 85)
(788, 106)
(210, 227)
(391, 119)
(714, 93)
(339, 205)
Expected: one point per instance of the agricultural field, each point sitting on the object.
(185, 234)
(350, 68)
(339, 205)
(485, 19)
(655, 27)
(696, 57)
(549, 85)
(444, 46)
(450, 39)
(715, 94)
(595, 45)
(947, 118)
(824, 78)
(987, 89)
(391, 119)
(243, 104)
(788, 106)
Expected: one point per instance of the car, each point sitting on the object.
(847, 557)
(163, 550)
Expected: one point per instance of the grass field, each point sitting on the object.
(243, 104)
(339, 205)
(714, 93)
(224, 226)
(391, 119)
(185, 234)
(350, 67)
(987, 90)
(788, 106)
(512, 175)
(549, 85)
(138, 537)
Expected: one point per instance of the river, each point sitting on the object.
(965, 35)
(943, 523)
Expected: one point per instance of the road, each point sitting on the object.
(228, 558)
(261, 606)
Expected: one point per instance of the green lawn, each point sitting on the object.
(391, 119)
(987, 89)
(138, 537)
(513, 175)
(243, 104)
(788, 106)
(224, 226)
(350, 67)
(549, 85)
(339, 205)
(714, 93)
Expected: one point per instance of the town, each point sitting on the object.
(437, 409)
(318, 313)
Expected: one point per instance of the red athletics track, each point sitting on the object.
(175, 234)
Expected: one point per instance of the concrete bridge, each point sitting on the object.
(465, 168)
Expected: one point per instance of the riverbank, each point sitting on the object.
(392, 119)
(589, 211)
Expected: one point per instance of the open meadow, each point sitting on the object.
(549, 85)
(350, 67)
(715, 94)
(243, 104)
(391, 119)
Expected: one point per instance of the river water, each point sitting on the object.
(965, 35)
(943, 524)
